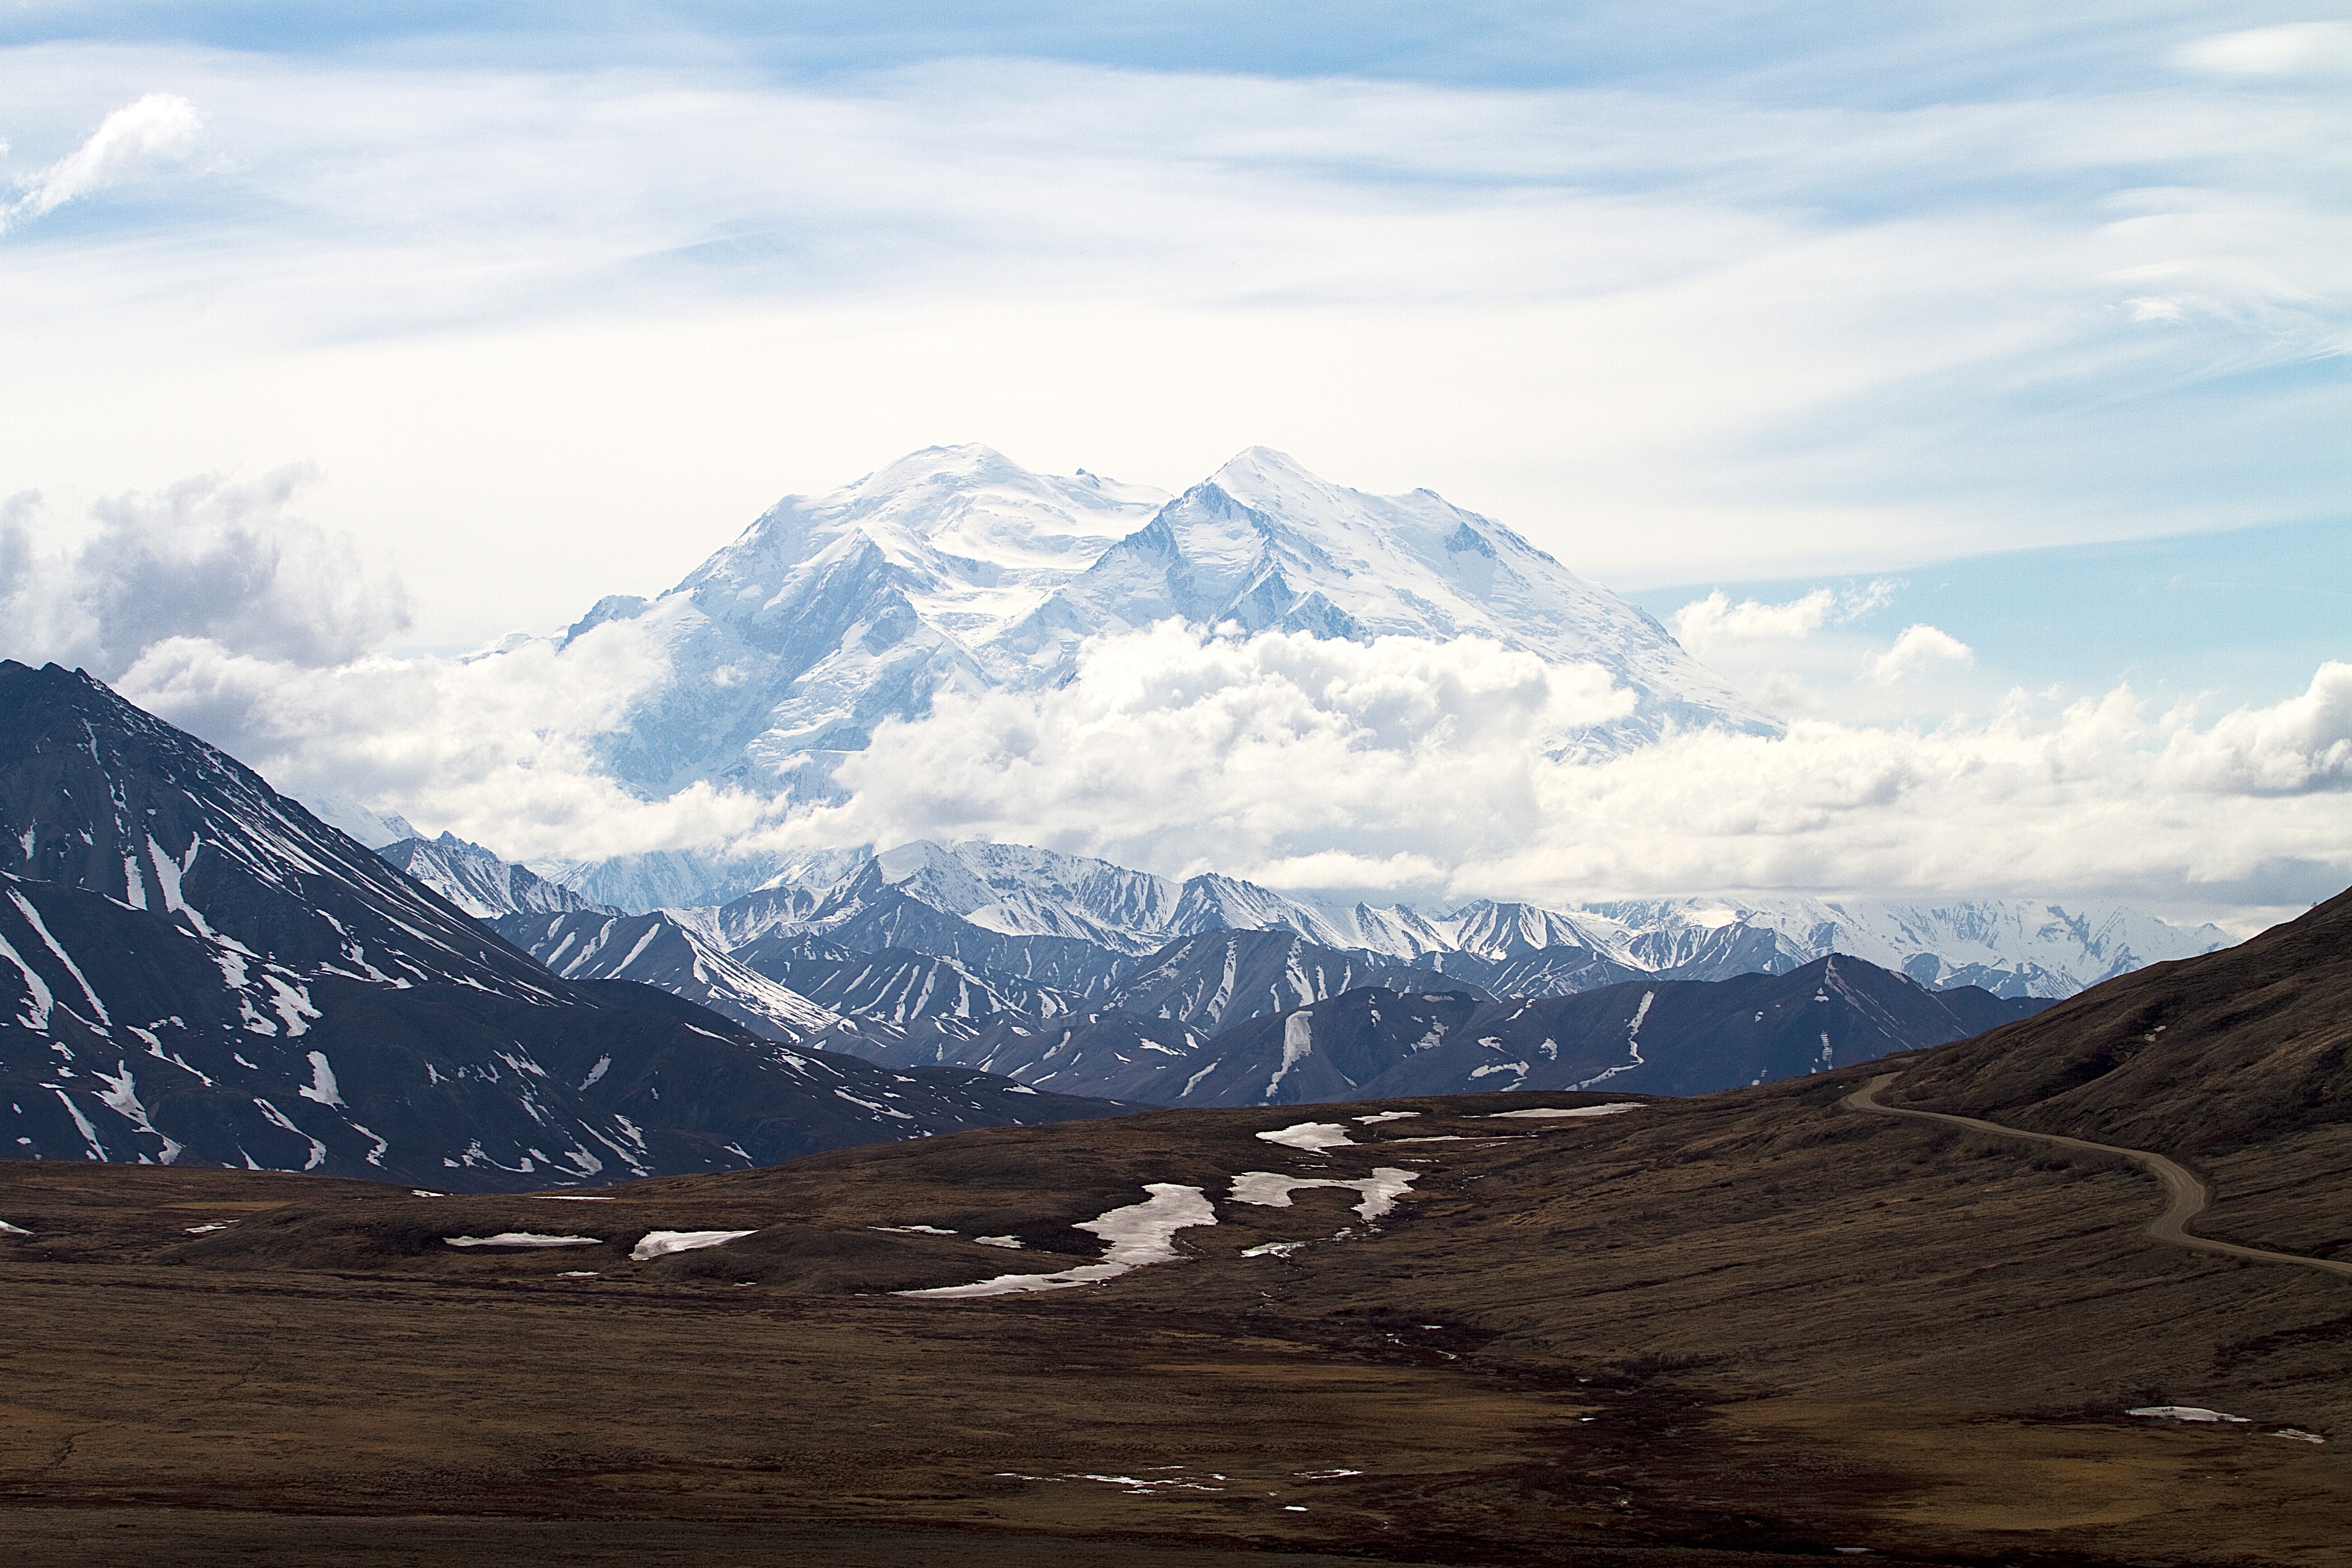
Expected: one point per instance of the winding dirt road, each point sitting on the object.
(2189, 1195)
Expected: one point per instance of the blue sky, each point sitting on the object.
(1975, 355)
(1735, 292)
(2221, 620)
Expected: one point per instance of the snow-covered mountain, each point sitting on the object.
(478, 881)
(1083, 925)
(901, 986)
(1220, 977)
(2012, 947)
(832, 613)
(1268, 546)
(654, 949)
(194, 968)
(955, 569)
(361, 821)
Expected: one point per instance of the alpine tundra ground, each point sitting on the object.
(1716, 1332)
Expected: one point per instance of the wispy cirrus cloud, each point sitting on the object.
(2286, 50)
(1791, 311)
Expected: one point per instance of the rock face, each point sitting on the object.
(1149, 1058)
(1377, 1042)
(1643, 1037)
(657, 951)
(194, 968)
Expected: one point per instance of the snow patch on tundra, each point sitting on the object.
(661, 1243)
(1312, 1136)
(1138, 1235)
(1271, 1189)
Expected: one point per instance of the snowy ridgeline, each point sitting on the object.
(1086, 926)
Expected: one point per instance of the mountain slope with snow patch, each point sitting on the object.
(195, 969)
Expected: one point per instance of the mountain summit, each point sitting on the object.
(832, 613)
(1268, 546)
(956, 569)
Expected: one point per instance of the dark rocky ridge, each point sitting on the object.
(195, 969)
(2206, 1055)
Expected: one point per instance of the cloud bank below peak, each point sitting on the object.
(1395, 769)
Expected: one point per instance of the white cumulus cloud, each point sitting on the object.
(2294, 747)
(1268, 759)
(1703, 623)
(1918, 647)
(159, 128)
(202, 559)
(1399, 768)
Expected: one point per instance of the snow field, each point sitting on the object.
(1138, 1234)
(1380, 1191)
(662, 1243)
(1313, 1137)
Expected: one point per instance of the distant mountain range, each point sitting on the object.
(1375, 1042)
(1030, 918)
(195, 969)
(1232, 1017)
(199, 969)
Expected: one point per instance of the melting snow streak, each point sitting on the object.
(1138, 1235)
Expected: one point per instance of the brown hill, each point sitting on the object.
(1722, 1331)
(2238, 1063)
